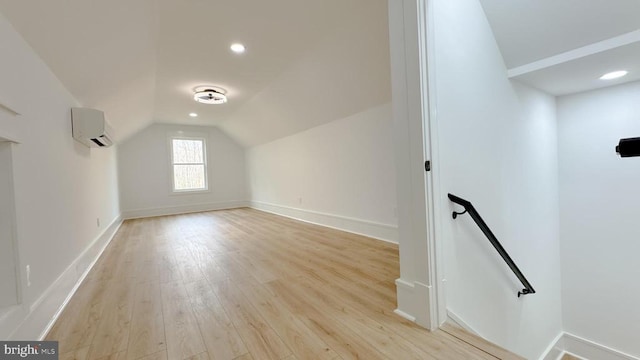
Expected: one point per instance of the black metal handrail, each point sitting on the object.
(468, 208)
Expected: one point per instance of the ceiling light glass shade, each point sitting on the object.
(237, 48)
(614, 75)
(210, 97)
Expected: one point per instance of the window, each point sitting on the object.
(189, 164)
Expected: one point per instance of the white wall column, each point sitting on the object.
(417, 298)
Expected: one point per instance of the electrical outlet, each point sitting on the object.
(98, 222)
(28, 275)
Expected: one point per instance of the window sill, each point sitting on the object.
(189, 192)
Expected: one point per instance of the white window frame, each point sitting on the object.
(198, 137)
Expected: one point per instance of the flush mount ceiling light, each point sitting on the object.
(614, 75)
(210, 95)
(193, 114)
(237, 48)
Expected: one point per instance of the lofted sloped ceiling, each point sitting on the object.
(345, 72)
(564, 46)
(102, 51)
(307, 61)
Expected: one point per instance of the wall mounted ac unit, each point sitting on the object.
(90, 128)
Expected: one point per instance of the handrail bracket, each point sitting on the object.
(455, 214)
(526, 292)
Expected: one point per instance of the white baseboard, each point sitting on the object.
(564, 343)
(414, 299)
(405, 315)
(384, 232)
(591, 350)
(182, 209)
(38, 318)
(10, 320)
(461, 323)
(555, 350)
(567, 343)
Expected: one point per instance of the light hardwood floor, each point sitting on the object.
(243, 284)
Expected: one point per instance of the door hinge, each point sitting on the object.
(427, 165)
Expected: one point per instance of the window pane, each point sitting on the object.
(187, 151)
(188, 177)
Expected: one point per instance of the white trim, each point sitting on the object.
(567, 343)
(7, 137)
(189, 192)
(592, 350)
(601, 46)
(404, 315)
(183, 209)
(461, 323)
(10, 319)
(432, 152)
(405, 299)
(8, 109)
(425, 51)
(409, 80)
(380, 231)
(41, 315)
(182, 136)
(413, 301)
(8, 125)
(555, 350)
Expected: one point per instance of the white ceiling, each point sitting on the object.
(584, 73)
(102, 51)
(532, 34)
(308, 62)
(140, 60)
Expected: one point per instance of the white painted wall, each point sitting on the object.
(497, 142)
(600, 232)
(61, 187)
(8, 273)
(339, 174)
(145, 173)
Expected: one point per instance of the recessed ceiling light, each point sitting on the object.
(614, 75)
(237, 48)
(193, 114)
